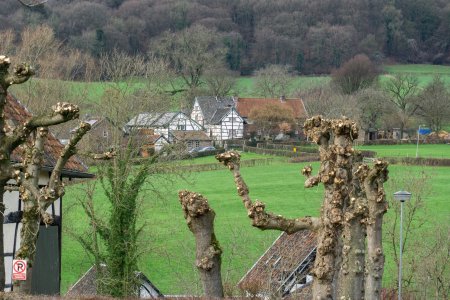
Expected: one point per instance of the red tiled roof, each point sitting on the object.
(279, 261)
(15, 114)
(245, 105)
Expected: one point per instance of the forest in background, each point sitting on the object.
(312, 36)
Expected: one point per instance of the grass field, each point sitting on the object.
(409, 150)
(169, 256)
(245, 86)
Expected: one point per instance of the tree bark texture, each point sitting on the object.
(352, 208)
(200, 220)
(377, 206)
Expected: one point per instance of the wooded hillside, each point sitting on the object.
(313, 36)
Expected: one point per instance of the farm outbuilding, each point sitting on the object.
(283, 270)
(86, 286)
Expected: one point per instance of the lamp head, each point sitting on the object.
(402, 196)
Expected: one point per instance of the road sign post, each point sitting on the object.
(19, 269)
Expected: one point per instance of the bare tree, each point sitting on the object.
(31, 136)
(273, 81)
(434, 104)
(267, 118)
(402, 89)
(356, 74)
(191, 52)
(324, 100)
(220, 82)
(347, 266)
(373, 104)
(425, 260)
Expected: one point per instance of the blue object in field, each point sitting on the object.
(424, 131)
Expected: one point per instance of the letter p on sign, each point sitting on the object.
(19, 269)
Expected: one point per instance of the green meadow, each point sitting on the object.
(168, 245)
(245, 85)
(409, 150)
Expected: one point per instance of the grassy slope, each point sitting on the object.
(170, 246)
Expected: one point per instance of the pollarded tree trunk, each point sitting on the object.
(36, 200)
(26, 174)
(373, 184)
(353, 205)
(200, 220)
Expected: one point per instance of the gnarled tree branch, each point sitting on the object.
(62, 112)
(256, 211)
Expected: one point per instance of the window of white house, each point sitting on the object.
(105, 133)
(197, 143)
(181, 127)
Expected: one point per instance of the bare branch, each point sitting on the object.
(256, 211)
(62, 112)
(68, 151)
(20, 74)
(100, 156)
(310, 180)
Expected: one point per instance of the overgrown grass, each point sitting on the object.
(169, 257)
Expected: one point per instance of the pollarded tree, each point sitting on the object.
(349, 261)
(30, 138)
(402, 89)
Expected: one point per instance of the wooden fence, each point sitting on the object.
(218, 166)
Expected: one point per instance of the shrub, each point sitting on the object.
(356, 74)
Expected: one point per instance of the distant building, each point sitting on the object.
(100, 138)
(244, 106)
(162, 123)
(219, 117)
(191, 138)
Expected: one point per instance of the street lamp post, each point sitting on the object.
(417, 147)
(401, 196)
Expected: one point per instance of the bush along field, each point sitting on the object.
(169, 249)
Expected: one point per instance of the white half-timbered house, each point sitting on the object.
(219, 117)
(47, 265)
(163, 123)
